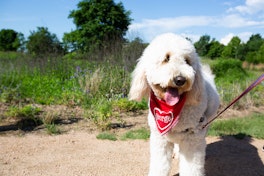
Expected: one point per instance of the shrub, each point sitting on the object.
(229, 70)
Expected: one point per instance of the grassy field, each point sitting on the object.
(100, 88)
(239, 127)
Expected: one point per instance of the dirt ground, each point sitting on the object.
(77, 152)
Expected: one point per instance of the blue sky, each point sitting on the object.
(221, 19)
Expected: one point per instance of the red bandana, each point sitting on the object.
(166, 116)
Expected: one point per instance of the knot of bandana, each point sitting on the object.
(166, 116)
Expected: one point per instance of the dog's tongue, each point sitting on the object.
(172, 96)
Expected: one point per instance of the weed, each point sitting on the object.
(49, 117)
(90, 83)
(100, 113)
(52, 129)
(27, 116)
(27, 111)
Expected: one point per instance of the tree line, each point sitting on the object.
(252, 51)
(101, 26)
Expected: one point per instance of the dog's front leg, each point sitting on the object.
(160, 155)
(192, 157)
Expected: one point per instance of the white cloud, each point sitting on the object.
(226, 39)
(244, 36)
(250, 7)
(172, 23)
(245, 16)
(151, 27)
(236, 21)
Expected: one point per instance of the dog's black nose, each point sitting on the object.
(180, 80)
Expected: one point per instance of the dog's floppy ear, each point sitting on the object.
(139, 85)
(194, 96)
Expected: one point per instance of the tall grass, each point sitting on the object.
(60, 81)
(101, 88)
(232, 79)
(96, 86)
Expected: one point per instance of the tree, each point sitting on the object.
(254, 42)
(42, 42)
(231, 50)
(242, 52)
(202, 45)
(10, 40)
(70, 41)
(252, 46)
(215, 49)
(98, 24)
(260, 55)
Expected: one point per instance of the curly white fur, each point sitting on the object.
(167, 57)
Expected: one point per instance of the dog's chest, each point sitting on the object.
(189, 120)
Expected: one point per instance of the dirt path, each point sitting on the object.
(78, 153)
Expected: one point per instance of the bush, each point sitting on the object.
(256, 57)
(232, 79)
(229, 70)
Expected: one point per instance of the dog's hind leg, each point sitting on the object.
(160, 155)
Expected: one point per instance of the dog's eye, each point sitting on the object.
(167, 58)
(188, 60)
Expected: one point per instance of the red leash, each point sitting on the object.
(254, 84)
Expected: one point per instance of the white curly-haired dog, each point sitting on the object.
(182, 98)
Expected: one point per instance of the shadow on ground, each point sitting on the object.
(233, 157)
(32, 124)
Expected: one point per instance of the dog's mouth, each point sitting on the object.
(171, 92)
(171, 96)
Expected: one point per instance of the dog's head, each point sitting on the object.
(169, 67)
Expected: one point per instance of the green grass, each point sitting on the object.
(141, 133)
(232, 79)
(99, 87)
(252, 126)
(27, 111)
(107, 136)
(52, 129)
(125, 105)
